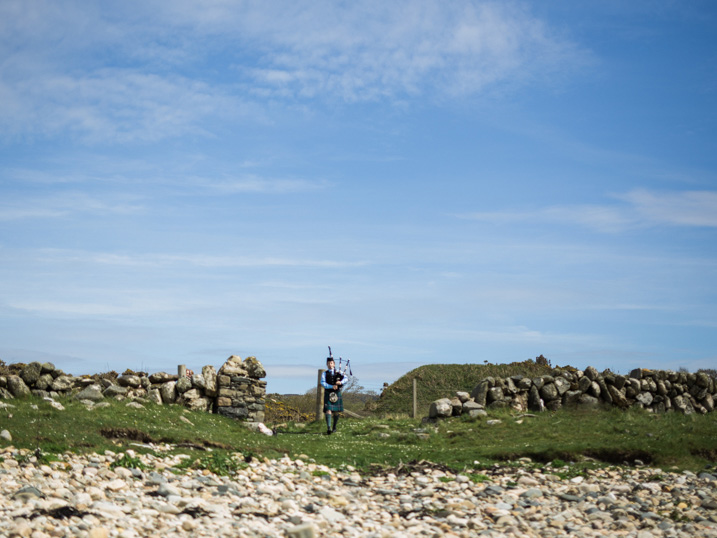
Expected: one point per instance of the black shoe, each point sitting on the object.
(329, 432)
(333, 431)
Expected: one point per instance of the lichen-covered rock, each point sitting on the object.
(63, 383)
(84, 381)
(161, 377)
(619, 381)
(168, 391)
(509, 387)
(584, 384)
(223, 381)
(587, 401)
(648, 384)
(523, 383)
(31, 373)
(519, 402)
(562, 384)
(440, 409)
(549, 392)
(183, 385)
(187, 395)
(210, 381)
(198, 381)
(129, 380)
(105, 382)
(224, 401)
(591, 373)
(683, 405)
(553, 405)
(254, 368)
(632, 387)
(618, 397)
(572, 398)
(495, 394)
(17, 386)
(702, 380)
(44, 382)
(91, 392)
(233, 366)
(200, 404)
(469, 406)
(604, 392)
(535, 403)
(480, 392)
(645, 398)
(153, 395)
(457, 406)
(112, 391)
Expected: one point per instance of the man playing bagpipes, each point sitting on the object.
(332, 380)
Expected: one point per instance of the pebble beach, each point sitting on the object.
(89, 496)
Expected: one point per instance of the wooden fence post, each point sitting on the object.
(319, 396)
(181, 371)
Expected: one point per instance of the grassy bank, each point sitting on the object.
(434, 381)
(611, 436)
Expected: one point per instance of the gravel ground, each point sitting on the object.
(83, 496)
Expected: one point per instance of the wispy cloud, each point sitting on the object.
(197, 260)
(79, 308)
(642, 208)
(372, 51)
(688, 208)
(355, 52)
(259, 184)
(66, 204)
(112, 105)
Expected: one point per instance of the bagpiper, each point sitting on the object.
(332, 381)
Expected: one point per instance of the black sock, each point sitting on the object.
(336, 419)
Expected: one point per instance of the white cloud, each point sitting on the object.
(643, 208)
(366, 51)
(50, 82)
(258, 184)
(112, 105)
(59, 256)
(687, 208)
(74, 308)
(65, 204)
(597, 217)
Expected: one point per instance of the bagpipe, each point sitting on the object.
(340, 375)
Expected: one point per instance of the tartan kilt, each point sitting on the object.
(337, 406)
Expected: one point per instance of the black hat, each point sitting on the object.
(329, 359)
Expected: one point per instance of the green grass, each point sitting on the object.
(569, 441)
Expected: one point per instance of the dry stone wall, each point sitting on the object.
(236, 390)
(657, 391)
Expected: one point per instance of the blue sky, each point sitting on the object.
(409, 182)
